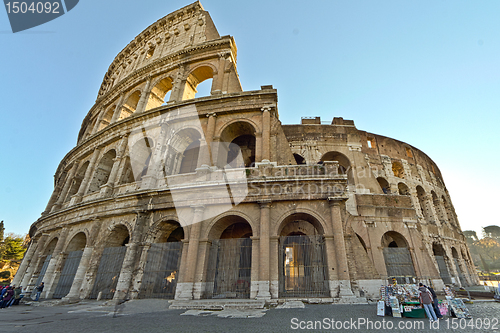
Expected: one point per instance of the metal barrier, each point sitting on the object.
(398, 263)
(108, 272)
(41, 275)
(303, 267)
(161, 270)
(68, 274)
(229, 268)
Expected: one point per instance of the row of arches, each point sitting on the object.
(440, 205)
(155, 93)
(302, 259)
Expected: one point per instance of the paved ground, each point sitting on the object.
(153, 316)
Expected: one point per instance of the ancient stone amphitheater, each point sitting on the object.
(172, 195)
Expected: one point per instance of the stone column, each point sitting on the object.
(154, 167)
(74, 292)
(206, 152)
(35, 262)
(137, 280)
(67, 185)
(266, 133)
(331, 259)
(186, 286)
(258, 147)
(129, 261)
(54, 264)
(24, 264)
(254, 274)
(201, 269)
(143, 101)
(219, 75)
(338, 240)
(274, 265)
(265, 207)
(98, 122)
(77, 198)
(118, 109)
(107, 189)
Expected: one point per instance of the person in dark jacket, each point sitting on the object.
(435, 302)
(17, 296)
(39, 290)
(426, 300)
(7, 296)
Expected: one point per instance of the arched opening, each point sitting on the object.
(196, 77)
(441, 258)
(302, 263)
(77, 181)
(398, 260)
(130, 105)
(459, 266)
(182, 154)
(237, 146)
(106, 119)
(163, 262)
(127, 176)
(72, 258)
(45, 260)
(299, 159)
(403, 189)
(140, 156)
(424, 204)
(111, 262)
(160, 94)
(384, 185)
(344, 164)
(448, 214)
(101, 174)
(397, 169)
(230, 259)
(438, 207)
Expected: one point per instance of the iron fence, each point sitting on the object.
(68, 274)
(108, 272)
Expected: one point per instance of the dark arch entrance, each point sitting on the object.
(111, 263)
(398, 261)
(441, 260)
(163, 261)
(302, 258)
(230, 259)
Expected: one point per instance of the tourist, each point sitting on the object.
(17, 296)
(426, 300)
(435, 302)
(7, 296)
(39, 290)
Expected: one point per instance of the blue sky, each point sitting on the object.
(423, 72)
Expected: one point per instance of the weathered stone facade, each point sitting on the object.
(309, 210)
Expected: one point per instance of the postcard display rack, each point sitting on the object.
(402, 299)
(457, 305)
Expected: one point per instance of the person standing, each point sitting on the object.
(426, 300)
(7, 296)
(435, 302)
(39, 290)
(17, 296)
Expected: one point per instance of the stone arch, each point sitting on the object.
(183, 153)
(102, 172)
(162, 230)
(118, 235)
(130, 104)
(299, 159)
(199, 74)
(441, 260)
(424, 204)
(139, 157)
(398, 260)
(237, 146)
(448, 215)
(344, 163)
(47, 254)
(77, 181)
(107, 117)
(306, 215)
(230, 258)
(77, 242)
(160, 92)
(384, 185)
(403, 189)
(397, 169)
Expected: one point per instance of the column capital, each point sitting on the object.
(211, 114)
(266, 203)
(335, 201)
(198, 208)
(267, 108)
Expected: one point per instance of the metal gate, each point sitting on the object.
(108, 272)
(43, 270)
(161, 270)
(398, 263)
(68, 274)
(302, 263)
(229, 268)
(461, 276)
(443, 269)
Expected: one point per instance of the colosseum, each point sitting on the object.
(170, 195)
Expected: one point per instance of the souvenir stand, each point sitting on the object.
(456, 305)
(402, 299)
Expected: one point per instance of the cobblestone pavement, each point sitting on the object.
(153, 316)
